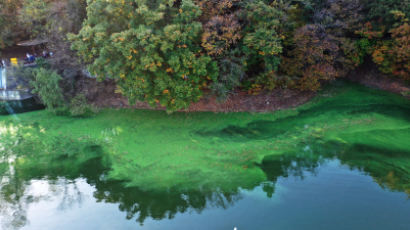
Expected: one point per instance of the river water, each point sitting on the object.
(342, 162)
(331, 197)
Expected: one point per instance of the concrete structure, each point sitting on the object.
(11, 93)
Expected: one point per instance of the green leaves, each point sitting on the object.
(46, 85)
(157, 58)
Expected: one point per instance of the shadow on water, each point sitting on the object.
(13, 107)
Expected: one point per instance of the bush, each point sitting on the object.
(46, 85)
(230, 75)
(80, 108)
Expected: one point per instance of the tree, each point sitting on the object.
(10, 28)
(393, 55)
(262, 40)
(152, 49)
(313, 58)
(379, 12)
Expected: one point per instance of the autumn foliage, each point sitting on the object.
(169, 52)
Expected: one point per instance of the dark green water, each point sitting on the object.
(341, 162)
(300, 194)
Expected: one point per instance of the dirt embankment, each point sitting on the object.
(102, 94)
(371, 77)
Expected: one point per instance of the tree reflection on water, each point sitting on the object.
(34, 168)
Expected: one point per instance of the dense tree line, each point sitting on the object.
(169, 52)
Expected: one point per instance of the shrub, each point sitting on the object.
(79, 106)
(46, 85)
(231, 73)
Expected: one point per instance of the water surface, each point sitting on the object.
(340, 162)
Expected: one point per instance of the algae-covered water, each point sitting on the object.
(339, 162)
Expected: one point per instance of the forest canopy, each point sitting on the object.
(171, 52)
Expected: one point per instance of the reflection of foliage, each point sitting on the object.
(27, 153)
(389, 167)
(160, 205)
(38, 156)
(219, 154)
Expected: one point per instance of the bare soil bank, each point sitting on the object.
(103, 95)
(371, 77)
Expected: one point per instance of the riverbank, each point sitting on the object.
(103, 95)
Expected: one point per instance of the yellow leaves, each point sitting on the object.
(129, 57)
(118, 90)
(169, 70)
(159, 64)
(122, 76)
(181, 11)
(151, 65)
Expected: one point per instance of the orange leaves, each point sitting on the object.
(220, 33)
(378, 56)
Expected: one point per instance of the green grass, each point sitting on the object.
(365, 128)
